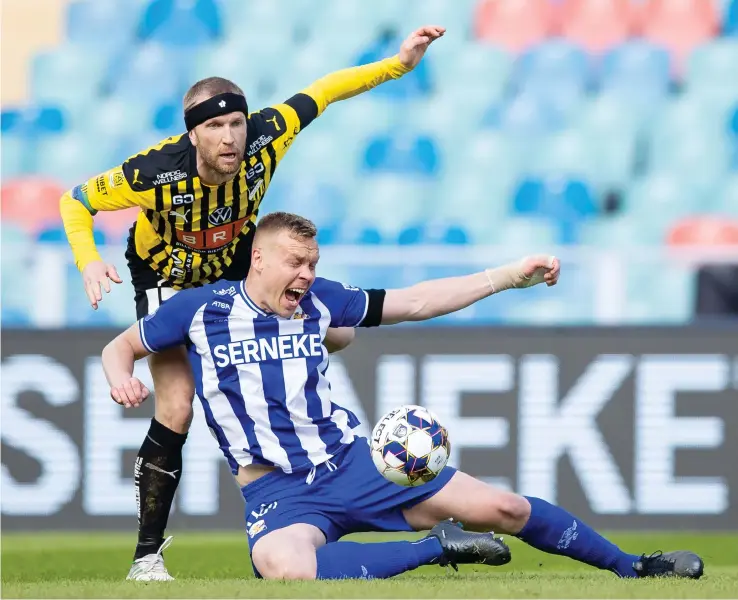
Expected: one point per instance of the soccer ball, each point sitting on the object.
(409, 446)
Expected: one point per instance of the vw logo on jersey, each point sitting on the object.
(220, 215)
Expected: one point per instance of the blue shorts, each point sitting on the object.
(349, 498)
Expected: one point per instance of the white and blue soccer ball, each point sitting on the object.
(409, 446)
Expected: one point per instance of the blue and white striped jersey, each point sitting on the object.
(262, 378)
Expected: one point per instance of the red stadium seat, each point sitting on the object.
(704, 231)
(597, 25)
(31, 203)
(515, 25)
(680, 25)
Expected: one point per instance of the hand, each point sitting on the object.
(414, 47)
(538, 269)
(131, 393)
(95, 277)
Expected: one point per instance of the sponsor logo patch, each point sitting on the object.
(257, 528)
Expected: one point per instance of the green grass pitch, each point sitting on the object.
(216, 565)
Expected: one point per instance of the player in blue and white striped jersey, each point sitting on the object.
(260, 372)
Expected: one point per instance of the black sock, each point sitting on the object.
(156, 477)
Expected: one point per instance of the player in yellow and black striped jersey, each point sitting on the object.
(199, 195)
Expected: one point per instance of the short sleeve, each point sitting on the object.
(348, 305)
(169, 325)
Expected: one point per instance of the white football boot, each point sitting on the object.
(151, 567)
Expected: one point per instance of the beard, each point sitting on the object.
(212, 161)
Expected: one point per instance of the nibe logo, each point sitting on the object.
(220, 215)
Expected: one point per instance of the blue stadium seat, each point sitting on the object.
(526, 116)
(659, 199)
(456, 16)
(67, 74)
(711, 72)
(409, 155)
(727, 198)
(730, 26)
(433, 233)
(158, 70)
(621, 231)
(567, 154)
(180, 22)
(557, 72)
(387, 203)
(639, 74)
(72, 158)
(34, 120)
(565, 201)
(16, 156)
(102, 23)
(323, 203)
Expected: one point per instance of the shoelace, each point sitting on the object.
(657, 560)
(311, 475)
(155, 562)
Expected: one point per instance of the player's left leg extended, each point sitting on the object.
(544, 526)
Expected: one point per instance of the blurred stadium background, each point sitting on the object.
(603, 130)
(608, 128)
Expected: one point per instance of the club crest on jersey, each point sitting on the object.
(116, 179)
(299, 314)
(220, 215)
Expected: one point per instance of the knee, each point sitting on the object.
(514, 511)
(283, 564)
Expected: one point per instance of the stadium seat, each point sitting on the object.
(555, 71)
(288, 14)
(433, 233)
(711, 72)
(16, 156)
(15, 256)
(525, 234)
(704, 231)
(730, 26)
(567, 154)
(526, 115)
(455, 16)
(659, 198)
(474, 71)
(597, 26)
(31, 203)
(727, 198)
(638, 74)
(119, 118)
(621, 232)
(387, 203)
(73, 158)
(515, 26)
(101, 23)
(402, 154)
(34, 120)
(680, 26)
(180, 22)
(69, 73)
(159, 70)
(659, 295)
(566, 202)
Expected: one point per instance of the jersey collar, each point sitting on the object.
(250, 303)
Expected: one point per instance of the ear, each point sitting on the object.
(257, 259)
(193, 137)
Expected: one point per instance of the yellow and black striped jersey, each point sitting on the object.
(188, 231)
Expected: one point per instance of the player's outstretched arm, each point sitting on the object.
(117, 360)
(348, 83)
(439, 297)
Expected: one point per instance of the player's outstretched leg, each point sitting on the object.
(544, 526)
(299, 551)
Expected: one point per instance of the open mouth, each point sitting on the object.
(293, 295)
(228, 156)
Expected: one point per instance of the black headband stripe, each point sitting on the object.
(217, 106)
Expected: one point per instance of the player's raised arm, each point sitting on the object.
(439, 297)
(350, 82)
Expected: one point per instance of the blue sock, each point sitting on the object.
(349, 560)
(556, 531)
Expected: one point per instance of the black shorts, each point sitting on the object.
(150, 289)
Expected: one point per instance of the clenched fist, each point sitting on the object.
(130, 393)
